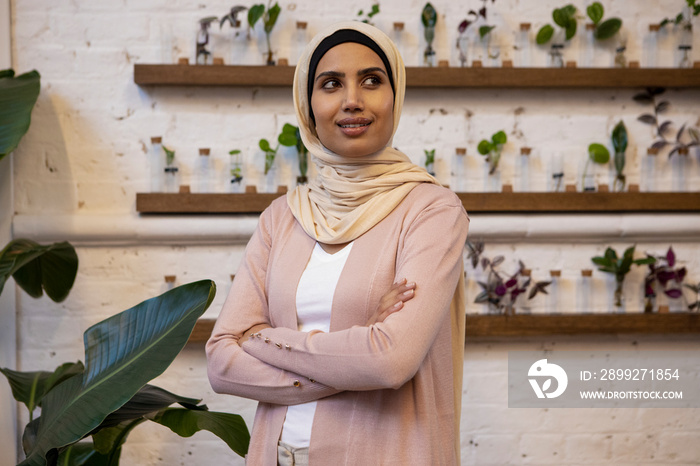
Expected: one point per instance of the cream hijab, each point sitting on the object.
(350, 195)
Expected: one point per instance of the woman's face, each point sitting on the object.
(352, 101)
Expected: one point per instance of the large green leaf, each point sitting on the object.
(83, 454)
(598, 153)
(595, 11)
(109, 441)
(429, 16)
(619, 137)
(270, 17)
(228, 427)
(122, 354)
(544, 34)
(607, 28)
(30, 387)
(17, 98)
(35, 267)
(255, 13)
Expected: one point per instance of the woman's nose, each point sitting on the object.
(353, 99)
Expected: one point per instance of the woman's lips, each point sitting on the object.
(354, 126)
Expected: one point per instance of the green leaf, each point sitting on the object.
(570, 10)
(82, 454)
(270, 17)
(561, 16)
(17, 98)
(287, 140)
(544, 34)
(429, 16)
(149, 399)
(595, 11)
(228, 427)
(619, 137)
(599, 153)
(122, 354)
(571, 28)
(169, 156)
(483, 30)
(607, 28)
(602, 261)
(619, 161)
(109, 441)
(484, 147)
(645, 261)
(35, 267)
(30, 387)
(499, 138)
(264, 144)
(255, 13)
(234, 152)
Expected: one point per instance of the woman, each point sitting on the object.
(346, 317)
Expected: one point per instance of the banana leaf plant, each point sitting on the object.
(37, 268)
(108, 397)
(18, 95)
(269, 17)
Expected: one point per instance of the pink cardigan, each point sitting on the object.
(388, 394)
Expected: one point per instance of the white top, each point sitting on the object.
(314, 300)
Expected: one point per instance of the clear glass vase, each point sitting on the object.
(555, 178)
(588, 47)
(204, 171)
(584, 292)
(524, 46)
(556, 56)
(459, 170)
(171, 181)
(651, 47)
(156, 164)
(463, 48)
(398, 37)
(523, 170)
(301, 39)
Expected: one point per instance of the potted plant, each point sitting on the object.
(492, 150)
(290, 137)
(619, 267)
(429, 20)
(430, 161)
(109, 396)
(498, 292)
(599, 154)
(367, 17)
(662, 276)
(269, 17)
(619, 142)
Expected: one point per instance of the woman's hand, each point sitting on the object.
(393, 300)
(254, 329)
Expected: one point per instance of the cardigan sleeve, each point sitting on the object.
(230, 369)
(389, 353)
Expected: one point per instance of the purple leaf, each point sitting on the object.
(643, 99)
(662, 106)
(680, 275)
(673, 293)
(664, 127)
(511, 283)
(482, 12)
(500, 290)
(463, 26)
(670, 257)
(485, 263)
(680, 132)
(664, 276)
(658, 145)
(649, 291)
(647, 118)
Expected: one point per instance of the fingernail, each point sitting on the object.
(398, 305)
(408, 293)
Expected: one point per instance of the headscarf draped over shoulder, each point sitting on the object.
(350, 195)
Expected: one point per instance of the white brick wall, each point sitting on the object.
(85, 157)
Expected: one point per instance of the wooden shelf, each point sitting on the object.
(177, 203)
(519, 325)
(533, 78)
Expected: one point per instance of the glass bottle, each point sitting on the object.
(171, 172)
(429, 55)
(556, 57)
(398, 37)
(679, 168)
(616, 293)
(463, 48)
(492, 181)
(651, 44)
(524, 46)
(523, 175)
(302, 39)
(203, 43)
(553, 302)
(235, 172)
(156, 164)
(239, 46)
(170, 282)
(204, 171)
(556, 174)
(685, 41)
(458, 170)
(585, 292)
(525, 306)
(588, 48)
(649, 171)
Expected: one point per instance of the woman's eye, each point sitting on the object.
(372, 80)
(330, 84)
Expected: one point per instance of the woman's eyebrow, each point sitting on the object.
(331, 74)
(373, 69)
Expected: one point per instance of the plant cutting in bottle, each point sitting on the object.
(663, 128)
(429, 20)
(203, 39)
(236, 171)
(232, 16)
(492, 149)
(270, 153)
(269, 17)
(462, 44)
(497, 291)
(429, 161)
(619, 142)
(597, 153)
(619, 267)
(662, 274)
(565, 18)
(603, 29)
(290, 137)
(683, 19)
(374, 10)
